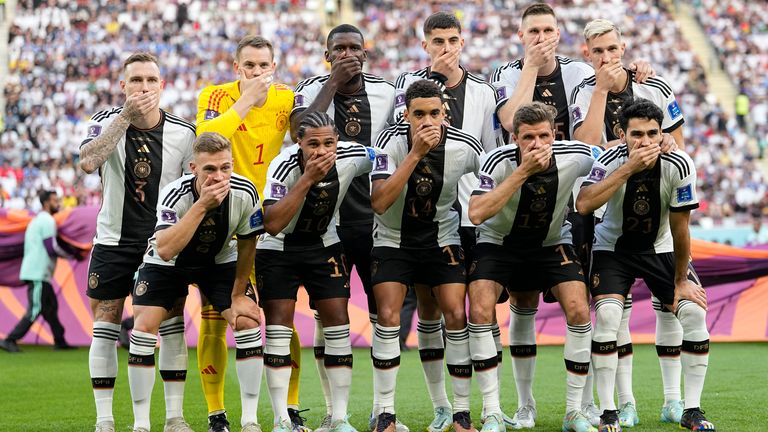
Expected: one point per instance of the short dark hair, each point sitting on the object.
(140, 57)
(533, 113)
(343, 28)
(538, 9)
(642, 109)
(315, 120)
(422, 89)
(254, 41)
(441, 20)
(211, 142)
(45, 195)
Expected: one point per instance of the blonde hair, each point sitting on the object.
(599, 27)
(211, 142)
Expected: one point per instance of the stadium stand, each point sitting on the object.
(64, 57)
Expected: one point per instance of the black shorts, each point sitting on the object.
(323, 272)
(615, 272)
(357, 241)
(159, 285)
(583, 234)
(112, 269)
(468, 242)
(526, 270)
(431, 267)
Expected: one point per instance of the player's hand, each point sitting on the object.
(643, 70)
(212, 193)
(688, 290)
(425, 139)
(642, 157)
(255, 89)
(344, 68)
(608, 74)
(318, 166)
(447, 62)
(244, 306)
(139, 104)
(668, 143)
(540, 52)
(537, 160)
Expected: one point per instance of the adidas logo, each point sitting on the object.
(546, 93)
(209, 370)
(209, 222)
(143, 149)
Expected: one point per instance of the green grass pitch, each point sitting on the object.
(43, 390)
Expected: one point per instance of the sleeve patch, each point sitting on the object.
(685, 193)
(501, 93)
(486, 182)
(211, 114)
(278, 190)
(596, 152)
(257, 219)
(298, 100)
(382, 163)
(371, 153)
(400, 100)
(168, 216)
(596, 175)
(674, 110)
(94, 131)
(496, 122)
(576, 114)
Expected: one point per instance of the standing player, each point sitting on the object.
(644, 234)
(543, 77)
(138, 149)
(416, 241)
(520, 204)
(197, 215)
(361, 105)
(594, 113)
(306, 184)
(470, 104)
(252, 113)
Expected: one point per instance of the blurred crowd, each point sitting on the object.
(65, 59)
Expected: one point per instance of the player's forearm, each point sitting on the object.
(226, 124)
(385, 192)
(95, 153)
(591, 129)
(485, 206)
(246, 255)
(523, 94)
(592, 197)
(277, 216)
(677, 134)
(681, 241)
(172, 240)
(321, 103)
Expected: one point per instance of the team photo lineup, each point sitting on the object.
(544, 178)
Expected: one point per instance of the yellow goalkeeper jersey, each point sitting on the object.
(257, 139)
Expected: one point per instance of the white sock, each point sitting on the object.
(249, 366)
(485, 363)
(459, 365)
(373, 318)
(694, 355)
(432, 352)
(522, 347)
(499, 354)
(669, 338)
(141, 375)
(338, 364)
(624, 350)
(385, 354)
(605, 356)
(102, 363)
(173, 365)
(319, 345)
(277, 359)
(587, 396)
(576, 354)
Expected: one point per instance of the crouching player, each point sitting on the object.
(305, 185)
(644, 234)
(197, 215)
